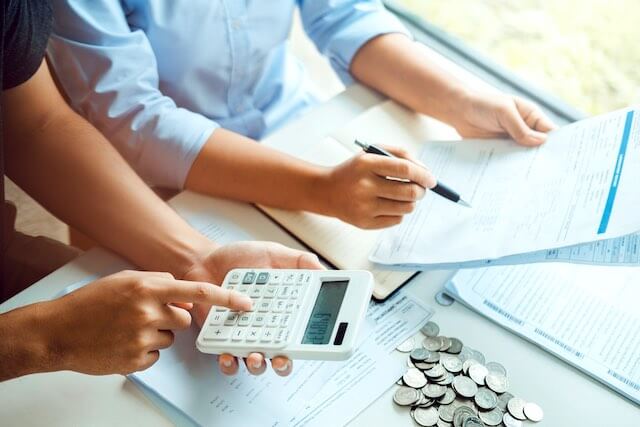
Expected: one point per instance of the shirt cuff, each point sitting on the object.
(167, 157)
(357, 33)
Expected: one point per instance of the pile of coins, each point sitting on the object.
(449, 384)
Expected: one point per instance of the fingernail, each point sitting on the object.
(256, 365)
(226, 363)
(284, 367)
(245, 302)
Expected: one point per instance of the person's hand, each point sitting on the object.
(495, 115)
(119, 323)
(358, 192)
(214, 267)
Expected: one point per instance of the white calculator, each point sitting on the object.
(302, 314)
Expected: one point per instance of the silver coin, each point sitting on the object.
(503, 399)
(430, 329)
(456, 346)
(426, 417)
(509, 421)
(446, 412)
(447, 380)
(437, 371)
(451, 364)
(431, 343)
(473, 422)
(465, 386)
(423, 366)
(492, 417)
(478, 373)
(444, 299)
(410, 363)
(434, 391)
(442, 423)
(533, 412)
(418, 354)
(426, 402)
(515, 406)
(405, 396)
(414, 378)
(448, 397)
(446, 343)
(406, 346)
(497, 382)
(486, 399)
(479, 356)
(496, 368)
(467, 364)
(465, 353)
(461, 414)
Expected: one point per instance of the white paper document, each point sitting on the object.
(586, 315)
(579, 187)
(188, 383)
(316, 393)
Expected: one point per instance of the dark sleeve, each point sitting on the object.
(27, 25)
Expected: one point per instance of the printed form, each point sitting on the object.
(585, 315)
(188, 385)
(579, 187)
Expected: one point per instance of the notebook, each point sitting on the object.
(343, 245)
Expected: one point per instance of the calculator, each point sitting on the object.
(301, 314)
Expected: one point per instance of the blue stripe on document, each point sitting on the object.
(604, 222)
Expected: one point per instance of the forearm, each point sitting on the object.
(233, 166)
(23, 348)
(74, 172)
(417, 82)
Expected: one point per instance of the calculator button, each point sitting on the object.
(264, 306)
(290, 307)
(217, 318)
(278, 306)
(249, 277)
(284, 292)
(289, 278)
(273, 320)
(235, 277)
(294, 293)
(219, 333)
(244, 290)
(231, 319)
(221, 309)
(252, 334)
(285, 321)
(276, 278)
(244, 319)
(258, 320)
(281, 335)
(262, 278)
(269, 292)
(256, 291)
(231, 287)
(238, 334)
(267, 335)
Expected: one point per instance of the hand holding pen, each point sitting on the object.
(440, 188)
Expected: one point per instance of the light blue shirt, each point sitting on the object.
(157, 77)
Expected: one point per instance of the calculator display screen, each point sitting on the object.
(325, 312)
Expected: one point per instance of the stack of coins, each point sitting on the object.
(449, 384)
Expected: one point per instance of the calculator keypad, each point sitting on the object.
(277, 297)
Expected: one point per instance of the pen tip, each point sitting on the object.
(463, 203)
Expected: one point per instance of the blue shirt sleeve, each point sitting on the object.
(339, 28)
(109, 72)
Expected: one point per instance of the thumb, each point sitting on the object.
(284, 257)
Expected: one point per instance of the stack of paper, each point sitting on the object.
(586, 315)
(572, 199)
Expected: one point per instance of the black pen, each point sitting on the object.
(439, 189)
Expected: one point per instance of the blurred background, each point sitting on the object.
(574, 57)
(585, 52)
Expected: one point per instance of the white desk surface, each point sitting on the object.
(568, 397)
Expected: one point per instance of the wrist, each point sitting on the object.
(29, 342)
(190, 256)
(321, 189)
